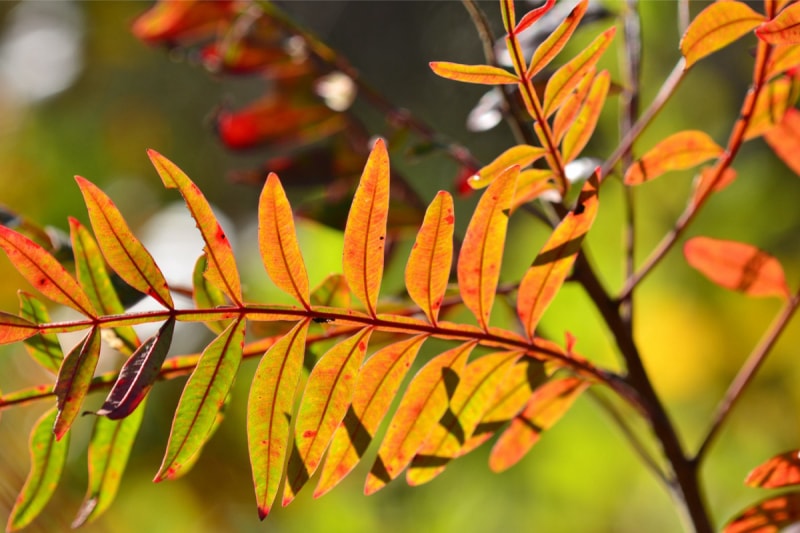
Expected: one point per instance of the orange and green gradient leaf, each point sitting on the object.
(74, 378)
(428, 268)
(222, 270)
(480, 74)
(552, 265)
(767, 516)
(269, 412)
(206, 295)
(14, 328)
(716, 27)
(123, 251)
(583, 126)
(783, 29)
(378, 382)
(422, 406)
(202, 398)
(556, 41)
(43, 348)
(277, 242)
(365, 231)
(679, 151)
(48, 456)
(737, 266)
(780, 471)
(327, 395)
(482, 249)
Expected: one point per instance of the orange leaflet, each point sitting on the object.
(277, 242)
(678, 151)
(568, 76)
(482, 74)
(14, 328)
(365, 231)
(123, 251)
(44, 272)
(507, 13)
(737, 266)
(482, 248)
(771, 105)
(269, 412)
(566, 115)
(422, 406)
(531, 184)
(553, 263)
(784, 139)
(709, 177)
(555, 42)
(584, 124)
(783, 29)
(74, 378)
(767, 516)
(328, 393)
(475, 392)
(221, 264)
(203, 396)
(780, 471)
(716, 27)
(545, 407)
(782, 58)
(533, 15)
(522, 155)
(378, 382)
(428, 267)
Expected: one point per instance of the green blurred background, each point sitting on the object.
(82, 96)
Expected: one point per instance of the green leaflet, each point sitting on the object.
(44, 347)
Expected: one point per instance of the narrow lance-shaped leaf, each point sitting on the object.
(522, 155)
(378, 382)
(481, 74)
(277, 242)
(109, 449)
(568, 76)
(533, 15)
(783, 57)
(202, 397)
(716, 27)
(74, 378)
(482, 249)
(219, 417)
(90, 269)
(43, 348)
(48, 456)
(14, 328)
(531, 184)
(568, 112)
(44, 272)
(123, 251)
(555, 42)
(422, 406)
(737, 266)
(780, 471)
(138, 374)
(476, 390)
(325, 400)
(582, 128)
(783, 29)
(428, 268)
(771, 105)
(205, 294)
(365, 231)
(784, 139)
(269, 412)
(767, 516)
(222, 270)
(553, 263)
(677, 152)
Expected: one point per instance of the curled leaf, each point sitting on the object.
(482, 74)
(677, 152)
(205, 294)
(717, 26)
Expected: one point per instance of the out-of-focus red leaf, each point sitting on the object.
(43, 348)
(780, 471)
(771, 105)
(708, 178)
(203, 396)
(277, 241)
(474, 394)
(482, 249)
(269, 412)
(767, 516)
(521, 155)
(422, 406)
(716, 27)
(481, 74)
(221, 263)
(365, 231)
(784, 139)
(737, 266)
(378, 382)
(533, 15)
(679, 151)
(553, 263)
(138, 374)
(783, 29)
(583, 126)
(568, 76)
(48, 456)
(328, 393)
(44, 272)
(546, 406)
(172, 21)
(74, 378)
(244, 56)
(428, 267)
(555, 42)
